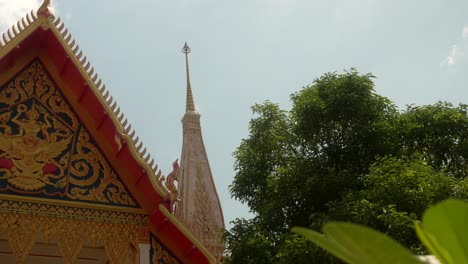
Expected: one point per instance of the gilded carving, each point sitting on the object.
(48, 230)
(169, 184)
(117, 249)
(70, 242)
(28, 159)
(71, 235)
(56, 211)
(21, 238)
(159, 255)
(202, 223)
(44, 149)
(170, 181)
(204, 214)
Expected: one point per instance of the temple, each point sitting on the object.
(76, 183)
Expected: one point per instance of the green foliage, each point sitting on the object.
(344, 123)
(251, 245)
(439, 133)
(443, 231)
(395, 194)
(342, 153)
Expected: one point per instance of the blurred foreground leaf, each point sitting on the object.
(358, 244)
(444, 231)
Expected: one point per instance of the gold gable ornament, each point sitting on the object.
(29, 159)
(44, 148)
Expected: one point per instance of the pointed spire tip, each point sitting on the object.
(189, 105)
(186, 49)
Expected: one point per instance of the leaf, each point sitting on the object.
(356, 244)
(428, 241)
(325, 243)
(444, 231)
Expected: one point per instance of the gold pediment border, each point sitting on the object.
(66, 203)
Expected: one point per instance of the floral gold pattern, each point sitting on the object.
(71, 235)
(49, 210)
(117, 248)
(46, 151)
(21, 238)
(70, 243)
(203, 225)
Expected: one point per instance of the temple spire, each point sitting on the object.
(189, 105)
(198, 206)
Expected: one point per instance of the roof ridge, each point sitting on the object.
(17, 28)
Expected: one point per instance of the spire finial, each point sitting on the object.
(190, 105)
(46, 9)
(186, 49)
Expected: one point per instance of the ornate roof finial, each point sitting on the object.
(190, 105)
(46, 10)
(186, 49)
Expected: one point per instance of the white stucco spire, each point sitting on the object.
(199, 207)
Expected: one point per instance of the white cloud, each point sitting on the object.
(457, 51)
(13, 10)
(465, 32)
(454, 56)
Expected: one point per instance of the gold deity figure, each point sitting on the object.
(31, 157)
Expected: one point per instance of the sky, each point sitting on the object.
(248, 51)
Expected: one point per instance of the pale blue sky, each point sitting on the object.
(249, 51)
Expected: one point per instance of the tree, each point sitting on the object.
(339, 154)
(395, 194)
(439, 133)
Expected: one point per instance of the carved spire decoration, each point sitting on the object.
(199, 207)
(190, 105)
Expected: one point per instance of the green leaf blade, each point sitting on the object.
(444, 231)
(358, 244)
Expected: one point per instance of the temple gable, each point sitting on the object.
(76, 182)
(45, 150)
